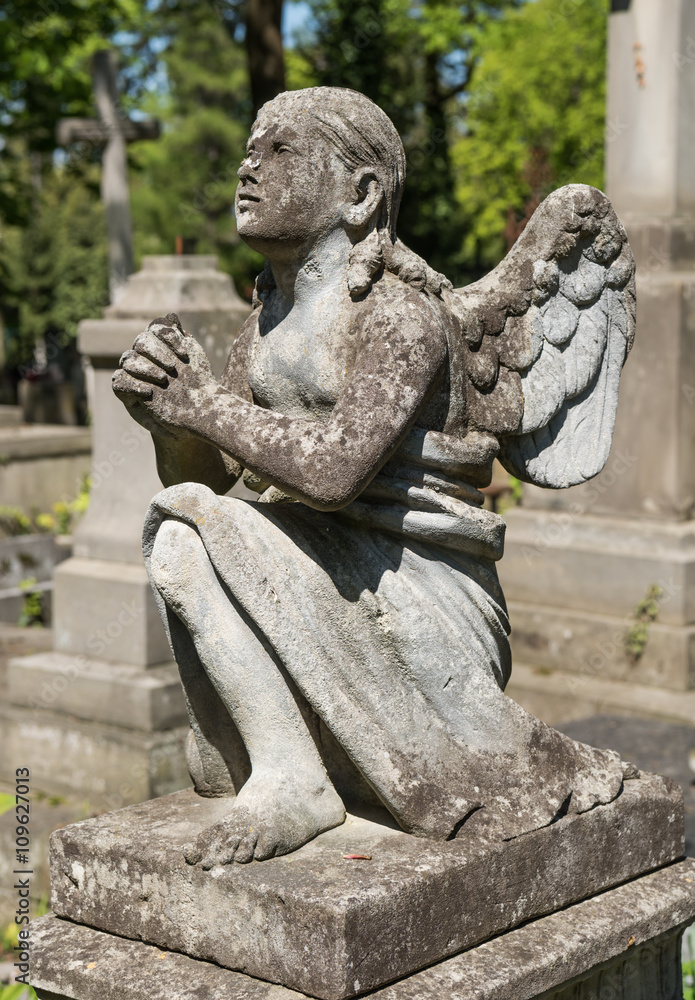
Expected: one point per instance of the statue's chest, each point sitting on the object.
(298, 371)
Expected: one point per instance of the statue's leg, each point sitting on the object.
(288, 798)
(215, 753)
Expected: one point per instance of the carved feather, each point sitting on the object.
(559, 310)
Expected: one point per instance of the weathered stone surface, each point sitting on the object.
(623, 944)
(371, 392)
(332, 927)
(660, 747)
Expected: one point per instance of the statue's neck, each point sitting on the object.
(302, 279)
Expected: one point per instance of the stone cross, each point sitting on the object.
(112, 130)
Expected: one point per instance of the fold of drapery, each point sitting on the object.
(389, 620)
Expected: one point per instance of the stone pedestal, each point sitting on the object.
(578, 562)
(111, 666)
(623, 944)
(539, 916)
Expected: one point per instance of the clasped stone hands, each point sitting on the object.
(161, 378)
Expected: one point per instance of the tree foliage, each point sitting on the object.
(534, 119)
(44, 76)
(52, 234)
(497, 102)
(184, 183)
(56, 269)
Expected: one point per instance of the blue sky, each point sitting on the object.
(295, 14)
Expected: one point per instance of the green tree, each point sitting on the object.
(52, 244)
(535, 119)
(184, 183)
(56, 269)
(44, 75)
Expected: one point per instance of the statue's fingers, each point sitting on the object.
(169, 330)
(244, 852)
(128, 388)
(155, 349)
(141, 368)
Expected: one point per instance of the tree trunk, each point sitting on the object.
(264, 50)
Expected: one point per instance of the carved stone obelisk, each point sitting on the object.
(579, 562)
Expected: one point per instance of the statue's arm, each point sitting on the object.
(323, 464)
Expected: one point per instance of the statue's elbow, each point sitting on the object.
(335, 493)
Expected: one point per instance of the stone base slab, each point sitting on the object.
(316, 922)
(115, 693)
(556, 697)
(624, 943)
(108, 766)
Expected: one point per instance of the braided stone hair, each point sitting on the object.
(362, 135)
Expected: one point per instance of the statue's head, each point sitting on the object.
(323, 158)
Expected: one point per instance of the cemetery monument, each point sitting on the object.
(368, 802)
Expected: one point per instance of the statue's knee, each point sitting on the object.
(177, 548)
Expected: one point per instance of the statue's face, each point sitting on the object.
(292, 187)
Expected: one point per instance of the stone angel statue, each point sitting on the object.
(343, 639)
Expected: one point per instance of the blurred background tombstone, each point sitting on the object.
(600, 579)
(104, 708)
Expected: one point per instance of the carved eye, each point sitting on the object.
(281, 147)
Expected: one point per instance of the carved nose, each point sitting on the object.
(248, 165)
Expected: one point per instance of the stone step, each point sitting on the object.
(10, 416)
(117, 694)
(592, 645)
(556, 697)
(107, 766)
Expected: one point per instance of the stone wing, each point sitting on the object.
(545, 336)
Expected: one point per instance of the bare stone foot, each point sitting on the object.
(270, 816)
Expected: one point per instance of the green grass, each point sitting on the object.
(6, 803)
(689, 964)
(17, 991)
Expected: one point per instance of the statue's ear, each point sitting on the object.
(365, 199)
